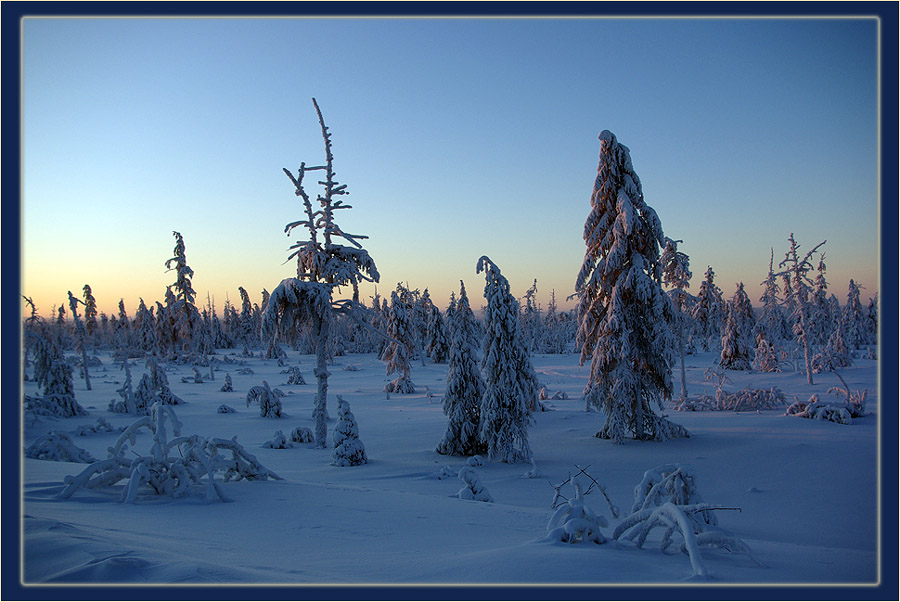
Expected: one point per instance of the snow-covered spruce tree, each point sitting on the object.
(709, 310)
(821, 322)
(54, 378)
(871, 321)
(797, 268)
(834, 354)
(80, 339)
(186, 316)
(530, 324)
(625, 319)
(437, 345)
(246, 319)
(348, 449)
(31, 332)
(123, 328)
(735, 345)
(853, 319)
(269, 401)
(399, 351)
(465, 386)
(511, 388)
(771, 323)
(322, 266)
(676, 273)
(765, 359)
(90, 310)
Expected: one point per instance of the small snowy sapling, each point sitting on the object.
(348, 449)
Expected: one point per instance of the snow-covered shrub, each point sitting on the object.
(58, 447)
(841, 412)
(295, 377)
(351, 368)
(704, 402)
(473, 489)
(674, 483)
(227, 386)
(750, 399)
(102, 426)
(855, 400)
(172, 467)
(268, 400)
(153, 387)
(245, 371)
(446, 473)
(197, 378)
(225, 409)
(302, 434)
(543, 395)
(279, 441)
(348, 449)
(476, 461)
(54, 377)
(575, 522)
(765, 360)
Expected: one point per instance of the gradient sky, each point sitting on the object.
(456, 137)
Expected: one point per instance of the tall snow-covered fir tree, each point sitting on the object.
(530, 324)
(771, 323)
(736, 350)
(871, 321)
(511, 386)
(821, 322)
(676, 272)
(465, 386)
(437, 345)
(709, 310)
(80, 339)
(801, 286)
(853, 319)
(90, 310)
(625, 318)
(400, 349)
(186, 316)
(322, 266)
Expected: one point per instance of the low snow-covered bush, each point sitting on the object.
(227, 386)
(475, 460)
(269, 401)
(473, 489)
(58, 447)
(225, 409)
(102, 426)
(817, 409)
(543, 395)
(302, 434)
(279, 441)
(575, 522)
(295, 377)
(348, 449)
(172, 467)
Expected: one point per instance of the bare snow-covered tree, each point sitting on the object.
(322, 266)
(510, 383)
(465, 386)
(797, 268)
(625, 318)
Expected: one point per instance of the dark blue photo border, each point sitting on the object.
(13, 12)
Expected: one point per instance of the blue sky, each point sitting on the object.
(456, 137)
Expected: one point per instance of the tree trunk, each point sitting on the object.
(681, 353)
(321, 372)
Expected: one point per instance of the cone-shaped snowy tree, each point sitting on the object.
(853, 320)
(186, 316)
(735, 345)
(624, 316)
(465, 387)
(399, 351)
(771, 323)
(709, 311)
(510, 383)
(348, 449)
(322, 265)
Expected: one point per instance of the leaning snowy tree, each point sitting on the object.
(322, 266)
(625, 318)
(510, 393)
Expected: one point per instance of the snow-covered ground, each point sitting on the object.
(806, 489)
